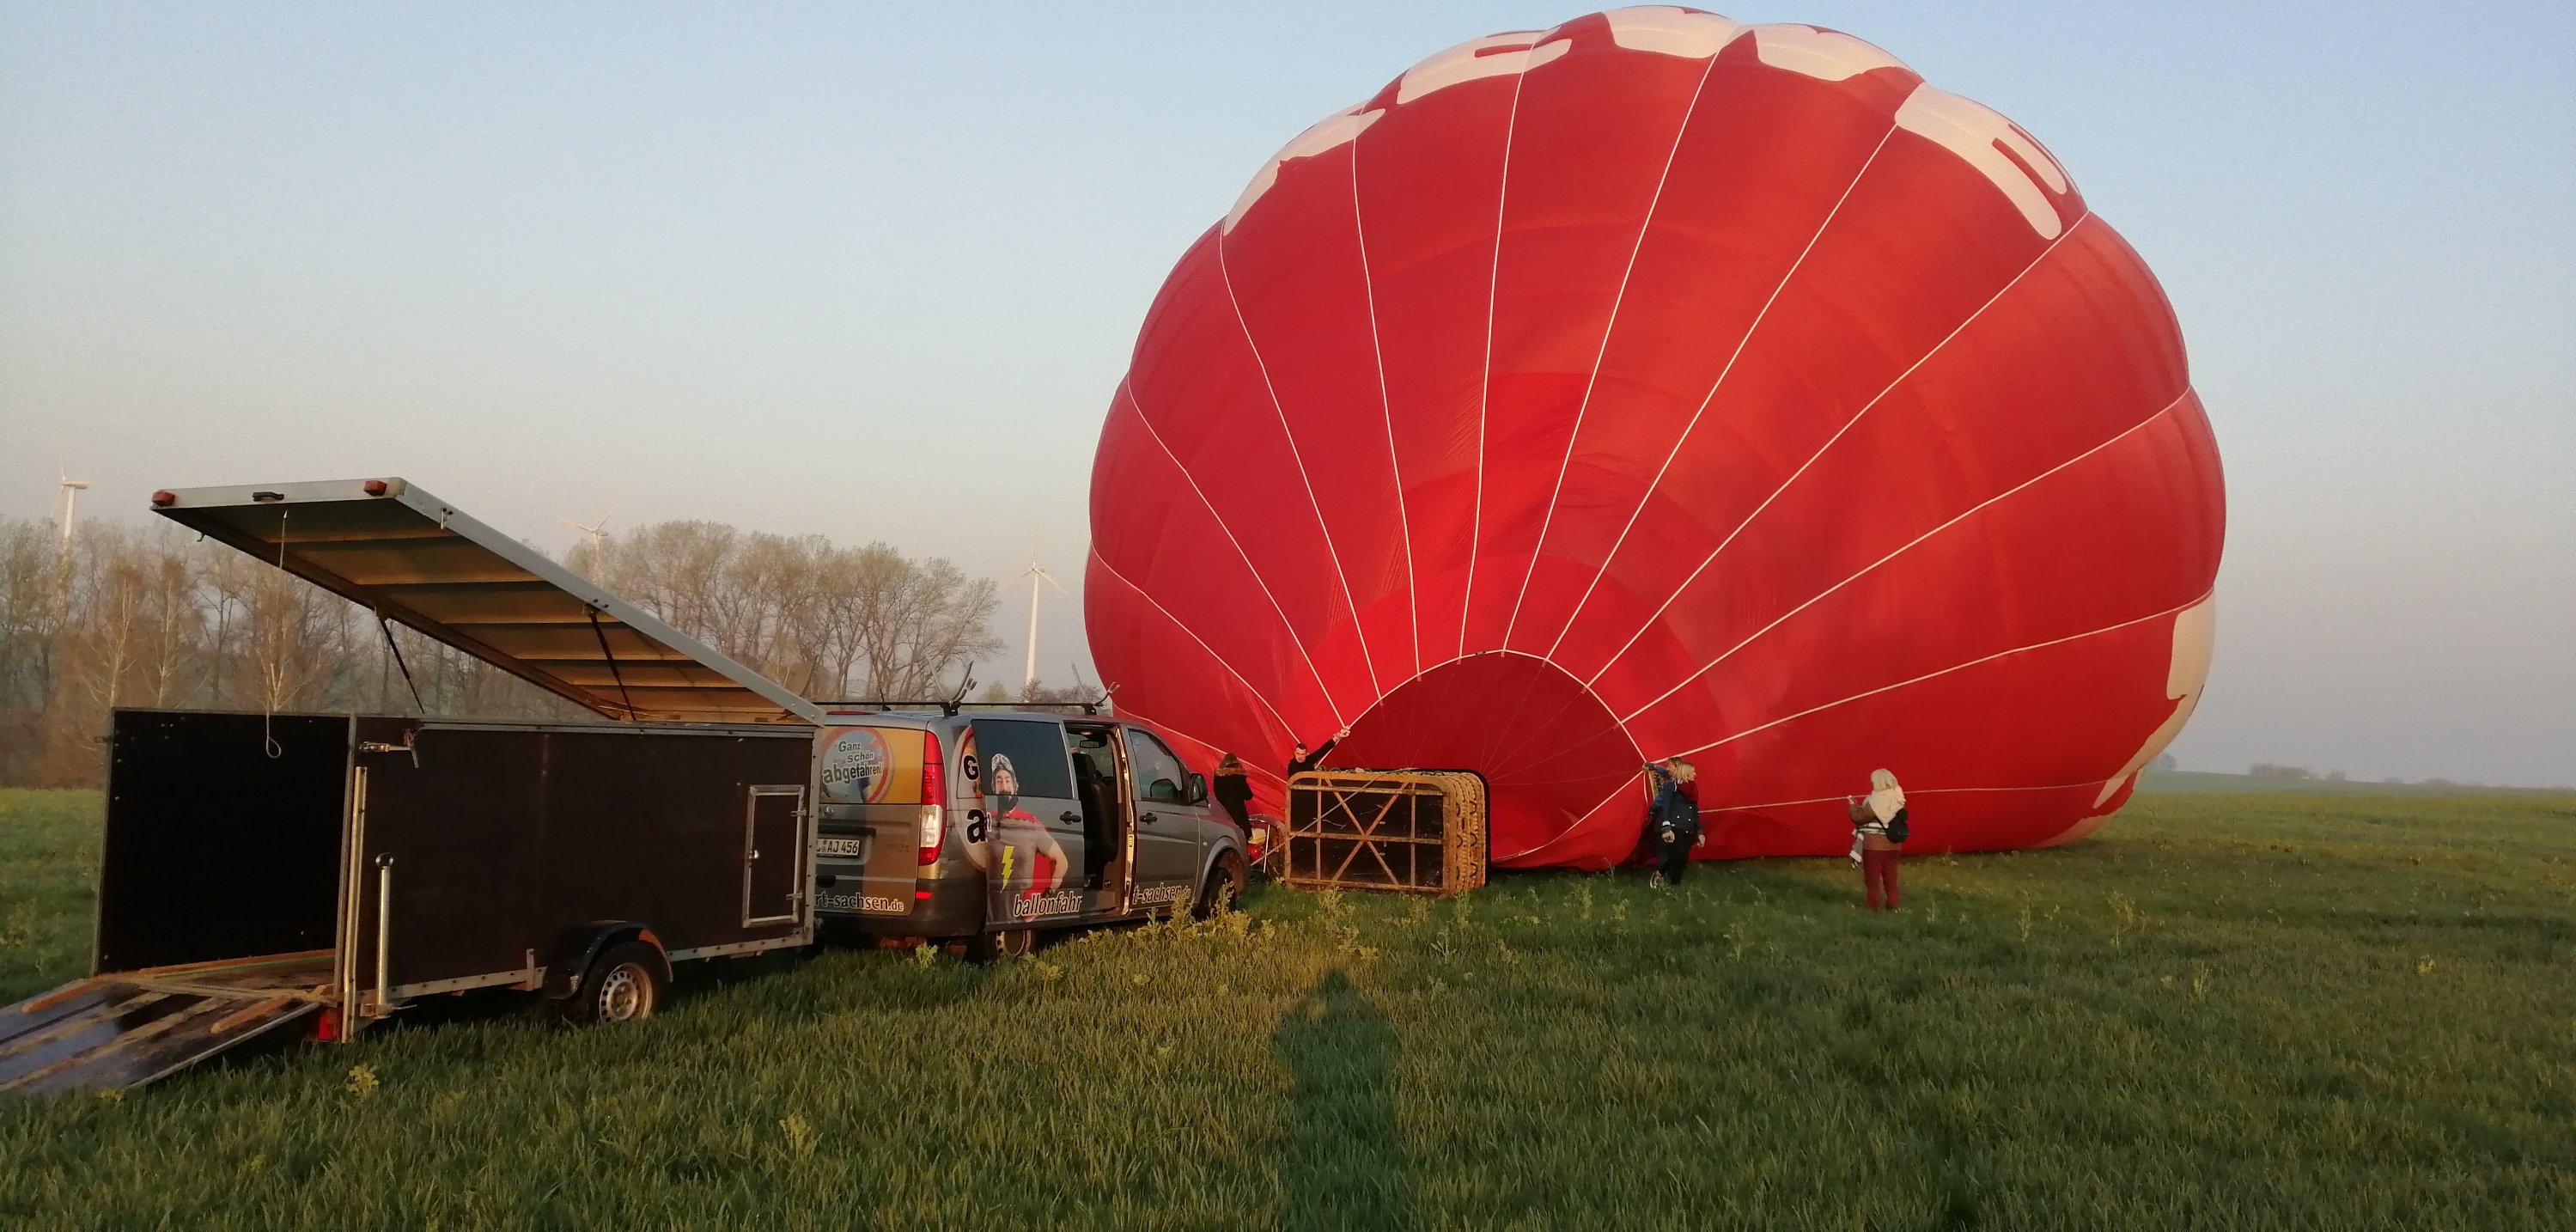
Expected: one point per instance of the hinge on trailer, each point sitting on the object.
(379, 746)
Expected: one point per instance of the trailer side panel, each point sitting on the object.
(504, 837)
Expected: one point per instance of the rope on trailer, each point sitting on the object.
(611, 656)
(417, 706)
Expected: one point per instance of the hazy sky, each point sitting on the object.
(874, 272)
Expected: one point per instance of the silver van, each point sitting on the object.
(986, 827)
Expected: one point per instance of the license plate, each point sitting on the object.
(846, 848)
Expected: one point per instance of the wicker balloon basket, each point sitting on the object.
(1417, 831)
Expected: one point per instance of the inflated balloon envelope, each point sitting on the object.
(1657, 385)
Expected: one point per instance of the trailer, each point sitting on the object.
(263, 870)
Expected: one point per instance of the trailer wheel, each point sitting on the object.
(624, 985)
(1224, 886)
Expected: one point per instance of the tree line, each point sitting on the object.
(156, 617)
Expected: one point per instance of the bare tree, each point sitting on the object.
(154, 618)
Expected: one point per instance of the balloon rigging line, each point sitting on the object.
(1386, 411)
(1485, 388)
(1517, 654)
(1538, 731)
(1130, 714)
(1256, 691)
(1299, 457)
(1955, 667)
(1126, 390)
(1547, 522)
(1705, 810)
(1864, 570)
(1821, 450)
(1582, 825)
(1910, 791)
(1704, 403)
(1495, 733)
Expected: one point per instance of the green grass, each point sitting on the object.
(2155, 782)
(2259, 1012)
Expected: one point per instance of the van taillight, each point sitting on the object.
(934, 795)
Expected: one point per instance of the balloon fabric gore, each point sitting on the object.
(1661, 385)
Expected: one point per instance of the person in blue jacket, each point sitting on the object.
(1673, 819)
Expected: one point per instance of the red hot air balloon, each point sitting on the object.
(1659, 385)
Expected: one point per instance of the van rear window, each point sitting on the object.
(1035, 751)
(871, 765)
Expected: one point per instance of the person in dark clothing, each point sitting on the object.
(1304, 761)
(1092, 791)
(1233, 791)
(1674, 819)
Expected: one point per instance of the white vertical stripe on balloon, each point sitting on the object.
(1909, 544)
(1299, 457)
(1386, 411)
(1126, 391)
(1714, 386)
(1255, 690)
(1485, 389)
(1857, 416)
(1655, 200)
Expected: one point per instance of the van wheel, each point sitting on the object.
(624, 984)
(1001, 943)
(1224, 886)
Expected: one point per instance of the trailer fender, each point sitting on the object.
(578, 945)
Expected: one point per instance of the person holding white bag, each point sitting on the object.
(1879, 830)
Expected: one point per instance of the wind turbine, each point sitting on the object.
(1036, 573)
(71, 502)
(598, 534)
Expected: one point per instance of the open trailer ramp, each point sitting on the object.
(116, 1031)
(408, 556)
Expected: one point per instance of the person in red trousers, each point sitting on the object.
(1879, 830)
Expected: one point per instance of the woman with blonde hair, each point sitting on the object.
(1674, 819)
(1879, 829)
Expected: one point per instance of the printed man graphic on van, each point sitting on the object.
(1030, 861)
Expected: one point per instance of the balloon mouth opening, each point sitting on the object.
(1548, 749)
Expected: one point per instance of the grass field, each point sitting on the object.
(2255, 1012)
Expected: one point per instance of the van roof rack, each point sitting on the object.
(949, 707)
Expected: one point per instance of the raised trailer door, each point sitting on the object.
(772, 829)
(408, 556)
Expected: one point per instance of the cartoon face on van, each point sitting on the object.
(1042, 820)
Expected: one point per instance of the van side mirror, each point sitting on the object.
(1198, 789)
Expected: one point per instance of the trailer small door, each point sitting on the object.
(773, 851)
